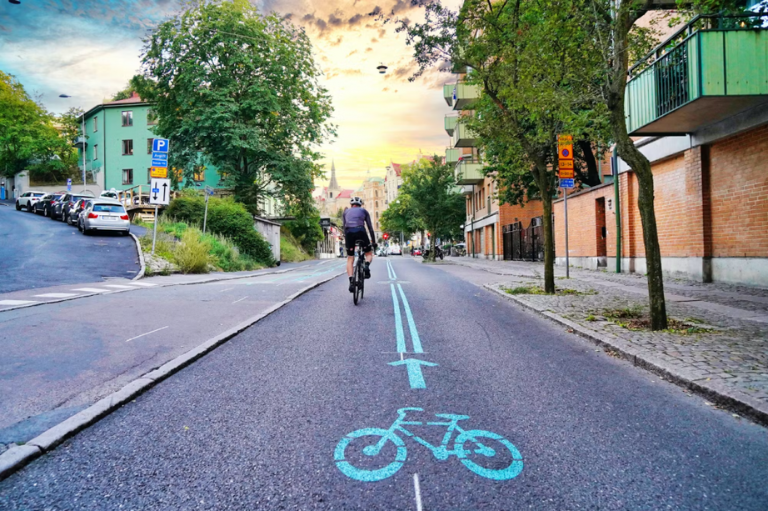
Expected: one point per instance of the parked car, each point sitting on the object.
(395, 250)
(109, 194)
(61, 210)
(416, 252)
(28, 200)
(104, 215)
(74, 211)
(45, 204)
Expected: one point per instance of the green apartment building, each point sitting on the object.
(118, 145)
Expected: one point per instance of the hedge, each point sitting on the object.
(226, 218)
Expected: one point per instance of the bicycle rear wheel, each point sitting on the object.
(356, 283)
(361, 280)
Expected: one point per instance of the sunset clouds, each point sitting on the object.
(89, 50)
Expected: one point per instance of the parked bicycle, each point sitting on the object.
(478, 450)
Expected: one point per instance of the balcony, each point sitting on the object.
(452, 155)
(464, 95)
(450, 123)
(448, 93)
(463, 136)
(469, 172)
(466, 189)
(79, 141)
(718, 68)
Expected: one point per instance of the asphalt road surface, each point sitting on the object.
(300, 411)
(38, 252)
(59, 358)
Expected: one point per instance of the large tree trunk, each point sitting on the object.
(638, 162)
(549, 244)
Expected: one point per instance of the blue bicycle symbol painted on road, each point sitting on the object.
(485, 453)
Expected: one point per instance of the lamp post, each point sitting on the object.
(84, 183)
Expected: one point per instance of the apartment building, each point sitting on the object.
(393, 180)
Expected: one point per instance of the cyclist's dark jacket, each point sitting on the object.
(355, 219)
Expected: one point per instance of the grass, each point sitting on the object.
(633, 318)
(591, 317)
(195, 252)
(290, 250)
(537, 290)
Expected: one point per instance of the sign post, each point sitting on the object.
(565, 170)
(208, 193)
(159, 186)
(69, 184)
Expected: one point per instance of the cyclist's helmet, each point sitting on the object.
(356, 201)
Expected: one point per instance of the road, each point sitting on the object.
(266, 421)
(58, 358)
(37, 252)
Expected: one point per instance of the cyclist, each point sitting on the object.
(354, 220)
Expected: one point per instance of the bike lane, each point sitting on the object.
(257, 424)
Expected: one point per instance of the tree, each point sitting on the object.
(126, 92)
(241, 91)
(430, 188)
(29, 140)
(537, 81)
(400, 218)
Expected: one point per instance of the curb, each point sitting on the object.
(141, 258)
(729, 398)
(16, 457)
(87, 295)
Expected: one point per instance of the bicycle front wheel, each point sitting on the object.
(490, 455)
(360, 447)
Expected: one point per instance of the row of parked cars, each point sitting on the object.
(88, 213)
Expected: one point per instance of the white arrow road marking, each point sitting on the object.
(142, 335)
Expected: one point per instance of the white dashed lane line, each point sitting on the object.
(16, 302)
(92, 290)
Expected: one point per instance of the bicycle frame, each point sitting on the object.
(440, 452)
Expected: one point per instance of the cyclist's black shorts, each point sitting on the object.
(351, 237)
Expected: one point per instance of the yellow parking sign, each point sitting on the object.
(158, 172)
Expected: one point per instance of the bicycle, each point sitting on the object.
(479, 453)
(358, 273)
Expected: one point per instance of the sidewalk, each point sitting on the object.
(725, 355)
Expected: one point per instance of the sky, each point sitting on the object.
(88, 49)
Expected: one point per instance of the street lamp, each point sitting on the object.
(84, 183)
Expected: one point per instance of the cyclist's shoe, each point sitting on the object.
(367, 271)
(351, 285)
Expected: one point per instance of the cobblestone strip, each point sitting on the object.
(728, 365)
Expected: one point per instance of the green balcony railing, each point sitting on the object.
(448, 93)
(463, 136)
(450, 123)
(469, 172)
(714, 67)
(452, 155)
(465, 95)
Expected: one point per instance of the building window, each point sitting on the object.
(199, 174)
(127, 118)
(95, 124)
(127, 147)
(127, 176)
(95, 151)
(330, 195)
(151, 117)
(149, 145)
(376, 192)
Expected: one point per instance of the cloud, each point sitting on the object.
(351, 53)
(374, 40)
(355, 20)
(368, 50)
(337, 41)
(335, 21)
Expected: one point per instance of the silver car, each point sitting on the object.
(104, 215)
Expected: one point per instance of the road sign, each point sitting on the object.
(565, 169)
(566, 183)
(209, 190)
(565, 147)
(158, 172)
(69, 185)
(160, 191)
(160, 145)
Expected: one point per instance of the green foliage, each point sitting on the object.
(305, 229)
(126, 92)
(226, 218)
(243, 89)
(28, 138)
(400, 217)
(428, 190)
(192, 253)
(290, 250)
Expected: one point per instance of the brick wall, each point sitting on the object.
(512, 214)
(738, 186)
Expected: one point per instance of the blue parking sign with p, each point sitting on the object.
(160, 145)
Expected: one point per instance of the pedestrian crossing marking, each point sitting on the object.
(91, 290)
(56, 295)
(116, 286)
(144, 284)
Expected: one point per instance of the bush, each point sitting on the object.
(226, 218)
(290, 250)
(227, 257)
(192, 253)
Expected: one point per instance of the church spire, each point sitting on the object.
(334, 185)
